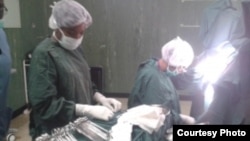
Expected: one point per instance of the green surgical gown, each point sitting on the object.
(153, 86)
(58, 78)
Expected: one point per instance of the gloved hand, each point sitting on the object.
(96, 111)
(110, 103)
(187, 119)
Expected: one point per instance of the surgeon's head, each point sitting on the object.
(69, 20)
(3, 9)
(177, 55)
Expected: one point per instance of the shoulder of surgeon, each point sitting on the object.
(150, 63)
(46, 45)
(148, 67)
(147, 70)
(49, 46)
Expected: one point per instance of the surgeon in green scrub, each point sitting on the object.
(60, 87)
(157, 79)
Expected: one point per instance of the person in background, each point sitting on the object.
(5, 70)
(231, 101)
(60, 87)
(157, 81)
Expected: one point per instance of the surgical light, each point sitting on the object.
(215, 62)
(213, 65)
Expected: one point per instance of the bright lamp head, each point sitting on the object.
(215, 62)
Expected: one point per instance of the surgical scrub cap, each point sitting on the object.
(69, 13)
(178, 52)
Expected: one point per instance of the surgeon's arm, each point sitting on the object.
(147, 90)
(46, 102)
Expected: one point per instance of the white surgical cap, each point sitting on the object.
(178, 52)
(68, 13)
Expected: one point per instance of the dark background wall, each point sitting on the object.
(124, 33)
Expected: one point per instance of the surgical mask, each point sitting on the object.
(171, 73)
(68, 42)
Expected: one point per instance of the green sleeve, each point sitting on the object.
(148, 90)
(140, 89)
(152, 91)
(47, 104)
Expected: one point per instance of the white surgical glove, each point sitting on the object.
(95, 111)
(110, 103)
(187, 119)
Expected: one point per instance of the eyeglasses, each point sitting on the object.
(173, 68)
(177, 69)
